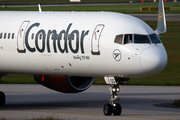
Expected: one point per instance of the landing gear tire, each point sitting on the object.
(117, 109)
(2, 98)
(108, 109)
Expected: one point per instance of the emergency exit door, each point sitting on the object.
(95, 41)
(21, 37)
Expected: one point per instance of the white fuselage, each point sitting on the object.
(77, 44)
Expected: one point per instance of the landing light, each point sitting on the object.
(117, 89)
(114, 90)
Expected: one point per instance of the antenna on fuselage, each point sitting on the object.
(39, 8)
(161, 23)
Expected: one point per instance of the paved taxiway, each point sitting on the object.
(29, 101)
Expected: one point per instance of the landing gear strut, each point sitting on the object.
(113, 106)
(2, 99)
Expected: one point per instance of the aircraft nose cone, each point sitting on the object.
(153, 60)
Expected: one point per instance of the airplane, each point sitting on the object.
(66, 50)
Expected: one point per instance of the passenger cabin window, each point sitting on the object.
(128, 38)
(9, 34)
(141, 39)
(1, 35)
(12, 36)
(118, 39)
(4, 35)
(154, 38)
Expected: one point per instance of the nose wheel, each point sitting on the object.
(117, 109)
(109, 109)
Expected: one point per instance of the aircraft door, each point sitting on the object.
(95, 41)
(21, 37)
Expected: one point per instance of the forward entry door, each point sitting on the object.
(21, 37)
(95, 42)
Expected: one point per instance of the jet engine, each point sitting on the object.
(65, 84)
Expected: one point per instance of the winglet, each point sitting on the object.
(161, 23)
(39, 8)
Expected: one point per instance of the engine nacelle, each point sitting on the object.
(65, 84)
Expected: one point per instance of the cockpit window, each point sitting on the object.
(136, 38)
(141, 39)
(128, 38)
(118, 39)
(154, 38)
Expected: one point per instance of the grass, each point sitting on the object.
(17, 79)
(127, 9)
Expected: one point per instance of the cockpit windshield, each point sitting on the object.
(154, 38)
(136, 38)
(141, 39)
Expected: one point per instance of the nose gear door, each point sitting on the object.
(95, 41)
(21, 37)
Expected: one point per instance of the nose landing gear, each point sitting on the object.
(113, 107)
